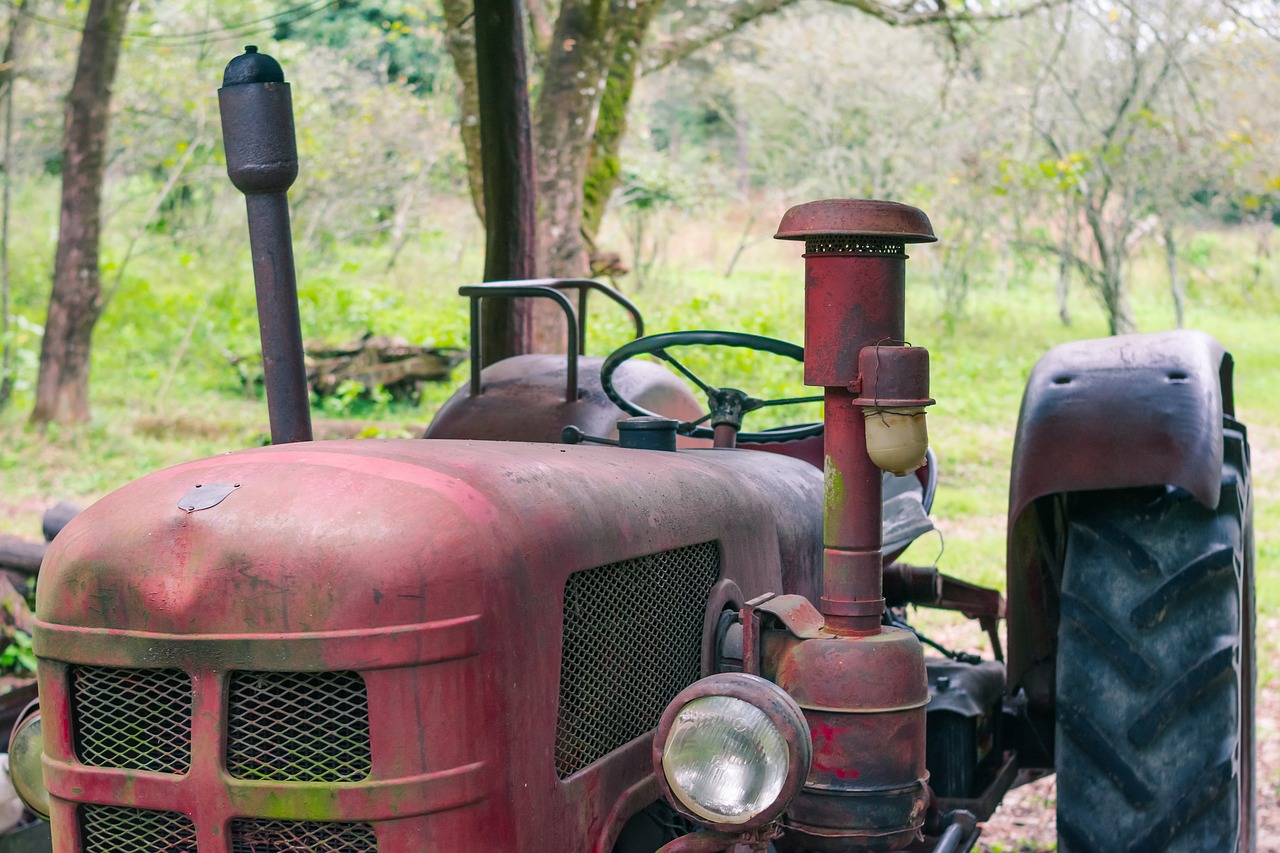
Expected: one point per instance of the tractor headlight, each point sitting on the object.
(26, 748)
(732, 751)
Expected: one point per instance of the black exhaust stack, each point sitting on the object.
(262, 160)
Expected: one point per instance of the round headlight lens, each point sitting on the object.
(26, 747)
(724, 759)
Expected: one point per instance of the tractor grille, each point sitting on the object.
(298, 727)
(632, 641)
(116, 829)
(252, 835)
(853, 244)
(133, 719)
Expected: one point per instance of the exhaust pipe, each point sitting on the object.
(262, 161)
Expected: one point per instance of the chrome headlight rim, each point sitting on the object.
(28, 722)
(782, 713)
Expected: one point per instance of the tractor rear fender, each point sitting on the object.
(1113, 413)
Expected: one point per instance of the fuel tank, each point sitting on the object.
(396, 645)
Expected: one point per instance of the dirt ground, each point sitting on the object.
(1024, 823)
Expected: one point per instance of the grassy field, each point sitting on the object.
(163, 391)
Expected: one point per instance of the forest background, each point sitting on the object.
(1090, 167)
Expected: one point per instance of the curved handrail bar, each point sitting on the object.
(477, 292)
(583, 286)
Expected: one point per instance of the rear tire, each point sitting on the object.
(1155, 669)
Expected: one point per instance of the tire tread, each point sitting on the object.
(1149, 662)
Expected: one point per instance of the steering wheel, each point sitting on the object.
(726, 405)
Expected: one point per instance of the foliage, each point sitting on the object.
(716, 146)
(980, 362)
(401, 42)
(18, 656)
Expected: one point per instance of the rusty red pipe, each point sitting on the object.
(862, 687)
(855, 297)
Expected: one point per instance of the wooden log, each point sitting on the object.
(391, 363)
(56, 518)
(21, 555)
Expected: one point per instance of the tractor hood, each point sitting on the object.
(507, 619)
(328, 536)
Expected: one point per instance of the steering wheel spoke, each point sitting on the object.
(785, 401)
(689, 374)
(720, 400)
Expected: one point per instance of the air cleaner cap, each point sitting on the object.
(257, 124)
(645, 433)
(252, 67)
(862, 217)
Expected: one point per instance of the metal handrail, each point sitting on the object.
(478, 292)
(546, 288)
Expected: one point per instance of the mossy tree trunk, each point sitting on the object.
(589, 62)
(18, 21)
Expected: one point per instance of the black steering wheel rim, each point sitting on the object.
(656, 344)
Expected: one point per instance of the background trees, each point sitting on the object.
(589, 58)
(1064, 143)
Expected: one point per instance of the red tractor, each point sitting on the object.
(496, 640)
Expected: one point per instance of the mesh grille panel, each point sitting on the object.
(854, 244)
(115, 829)
(298, 727)
(133, 719)
(632, 641)
(250, 835)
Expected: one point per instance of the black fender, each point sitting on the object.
(1112, 413)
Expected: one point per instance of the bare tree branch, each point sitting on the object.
(702, 33)
(1271, 29)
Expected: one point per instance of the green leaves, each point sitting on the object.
(18, 657)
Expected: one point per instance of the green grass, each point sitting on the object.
(163, 391)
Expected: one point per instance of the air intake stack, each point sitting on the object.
(862, 686)
(262, 161)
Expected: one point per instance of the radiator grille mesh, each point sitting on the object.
(251, 835)
(854, 244)
(116, 829)
(632, 641)
(133, 719)
(298, 727)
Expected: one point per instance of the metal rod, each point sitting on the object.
(279, 324)
(477, 363)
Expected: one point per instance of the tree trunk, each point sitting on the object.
(507, 157)
(17, 26)
(1064, 266)
(62, 392)
(1175, 281)
(604, 168)
(460, 41)
(573, 83)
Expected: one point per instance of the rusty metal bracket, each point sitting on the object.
(206, 496)
(751, 633)
(926, 586)
(796, 613)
